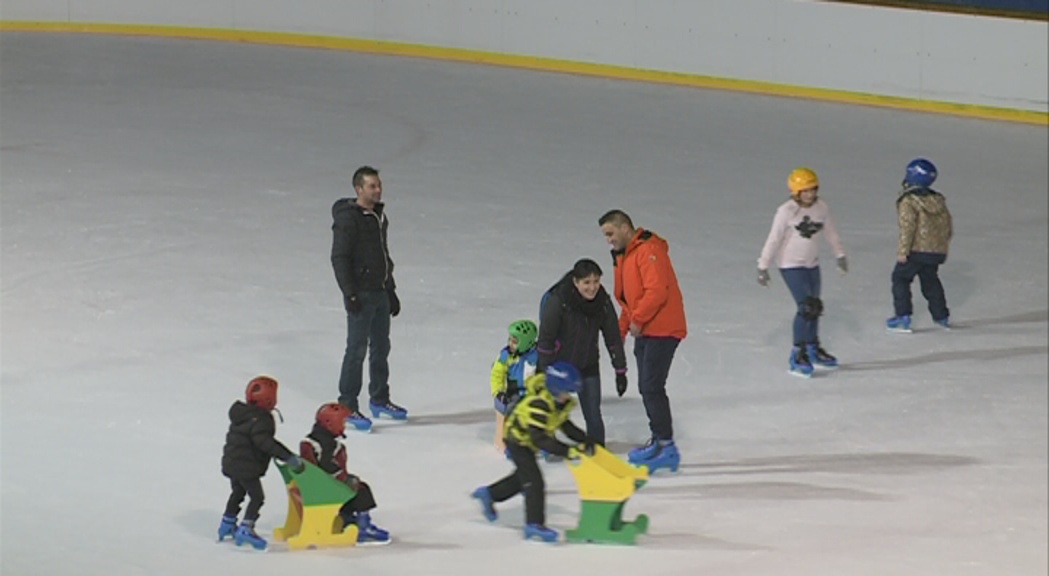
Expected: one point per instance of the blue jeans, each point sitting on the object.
(590, 404)
(654, 356)
(803, 282)
(367, 331)
(925, 266)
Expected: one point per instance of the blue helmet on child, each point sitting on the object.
(920, 174)
(563, 377)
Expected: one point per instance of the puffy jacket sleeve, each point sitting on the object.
(344, 237)
(500, 368)
(549, 328)
(613, 336)
(262, 437)
(907, 215)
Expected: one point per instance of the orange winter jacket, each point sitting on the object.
(646, 288)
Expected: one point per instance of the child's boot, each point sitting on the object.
(368, 533)
(819, 357)
(541, 532)
(227, 527)
(487, 504)
(799, 362)
(246, 533)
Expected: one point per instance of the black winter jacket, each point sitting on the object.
(359, 253)
(569, 327)
(250, 443)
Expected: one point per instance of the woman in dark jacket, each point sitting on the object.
(571, 315)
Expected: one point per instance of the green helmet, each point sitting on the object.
(526, 334)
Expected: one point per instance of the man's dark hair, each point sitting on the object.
(358, 176)
(616, 218)
(585, 268)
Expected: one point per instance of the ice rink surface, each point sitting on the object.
(166, 235)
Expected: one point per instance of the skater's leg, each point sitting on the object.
(654, 356)
(534, 490)
(902, 276)
(236, 496)
(257, 497)
(352, 375)
(512, 484)
(932, 288)
(590, 403)
(799, 282)
(379, 348)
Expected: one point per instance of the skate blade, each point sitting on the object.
(799, 374)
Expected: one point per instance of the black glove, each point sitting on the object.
(395, 302)
(296, 464)
(621, 383)
(353, 305)
(353, 482)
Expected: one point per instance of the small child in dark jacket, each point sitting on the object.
(323, 446)
(250, 444)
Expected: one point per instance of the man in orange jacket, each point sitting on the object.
(653, 312)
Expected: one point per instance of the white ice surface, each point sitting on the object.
(166, 233)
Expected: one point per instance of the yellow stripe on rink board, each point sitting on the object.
(536, 63)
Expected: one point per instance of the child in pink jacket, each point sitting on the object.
(792, 243)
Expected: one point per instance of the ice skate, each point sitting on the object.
(899, 324)
(799, 363)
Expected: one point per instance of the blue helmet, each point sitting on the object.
(920, 174)
(563, 377)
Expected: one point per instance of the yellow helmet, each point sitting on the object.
(802, 179)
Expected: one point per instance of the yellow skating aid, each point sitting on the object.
(605, 483)
(314, 500)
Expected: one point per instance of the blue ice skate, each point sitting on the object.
(487, 504)
(388, 408)
(246, 533)
(368, 533)
(668, 457)
(820, 358)
(642, 453)
(228, 527)
(799, 363)
(359, 421)
(541, 532)
(944, 322)
(899, 324)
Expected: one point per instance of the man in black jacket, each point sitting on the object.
(364, 271)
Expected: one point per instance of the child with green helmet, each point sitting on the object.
(515, 364)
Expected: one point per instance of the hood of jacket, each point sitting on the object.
(242, 413)
(647, 236)
(344, 205)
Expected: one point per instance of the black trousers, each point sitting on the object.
(240, 487)
(926, 267)
(525, 478)
(362, 502)
(654, 356)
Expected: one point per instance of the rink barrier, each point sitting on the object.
(314, 500)
(369, 46)
(605, 483)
